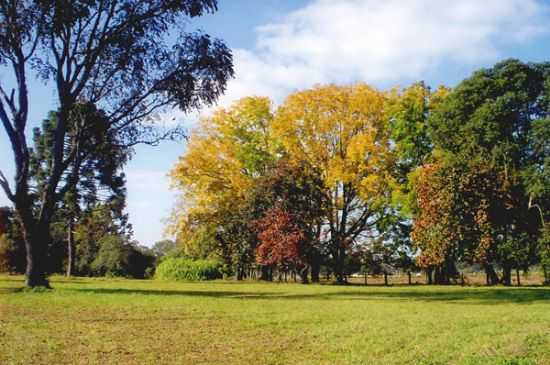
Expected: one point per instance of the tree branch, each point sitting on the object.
(6, 186)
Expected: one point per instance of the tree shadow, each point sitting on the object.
(188, 293)
(488, 296)
(465, 296)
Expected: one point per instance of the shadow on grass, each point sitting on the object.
(21, 280)
(467, 296)
(188, 293)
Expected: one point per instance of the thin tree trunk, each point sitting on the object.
(303, 274)
(385, 278)
(517, 277)
(70, 248)
(315, 268)
(429, 276)
(410, 278)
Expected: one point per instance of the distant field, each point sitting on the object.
(111, 321)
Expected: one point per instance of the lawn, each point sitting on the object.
(117, 321)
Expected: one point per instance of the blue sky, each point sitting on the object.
(284, 45)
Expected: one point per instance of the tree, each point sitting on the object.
(97, 224)
(409, 111)
(492, 120)
(119, 257)
(297, 190)
(162, 248)
(225, 157)
(114, 55)
(12, 250)
(437, 227)
(280, 239)
(93, 175)
(544, 252)
(342, 132)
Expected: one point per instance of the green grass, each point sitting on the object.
(110, 321)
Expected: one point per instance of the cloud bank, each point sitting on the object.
(378, 41)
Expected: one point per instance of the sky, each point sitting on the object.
(280, 46)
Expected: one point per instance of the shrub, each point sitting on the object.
(178, 268)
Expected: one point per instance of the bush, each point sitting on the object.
(175, 268)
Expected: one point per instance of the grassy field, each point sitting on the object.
(110, 321)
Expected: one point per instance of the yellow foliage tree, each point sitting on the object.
(225, 154)
(342, 133)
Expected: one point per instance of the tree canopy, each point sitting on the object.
(130, 60)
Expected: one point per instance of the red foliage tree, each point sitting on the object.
(280, 238)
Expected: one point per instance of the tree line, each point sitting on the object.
(338, 178)
(352, 179)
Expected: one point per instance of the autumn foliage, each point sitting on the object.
(279, 237)
(435, 228)
(437, 178)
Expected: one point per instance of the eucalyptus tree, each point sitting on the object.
(132, 59)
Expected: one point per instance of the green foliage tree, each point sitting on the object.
(494, 120)
(94, 173)
(12, 250)
(115, 55)
(97, 224)
(163, 248)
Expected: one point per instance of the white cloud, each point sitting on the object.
(378, 41)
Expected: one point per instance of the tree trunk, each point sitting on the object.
(438, 275)
(70, 248)
(36, 245)
(240, 273)
(339, 267)
(517, 277)
(303, 274)
(366, 274)
(492, 277)
(385, 278)
(266, 273)
(410, 277)
(429, 275)
(315, 268)
(506, 275)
